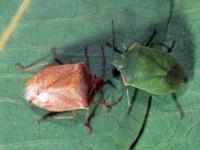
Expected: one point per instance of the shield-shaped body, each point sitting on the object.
(63, 87)
(151, 70)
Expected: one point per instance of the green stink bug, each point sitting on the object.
(151, 70)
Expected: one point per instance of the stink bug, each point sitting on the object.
(148, 69)
(64, 87)
(151, 70)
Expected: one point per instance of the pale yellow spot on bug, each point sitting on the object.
(43, 97)
(6, 35)
(30, 91)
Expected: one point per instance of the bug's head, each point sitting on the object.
(176, 76)
(118, 62)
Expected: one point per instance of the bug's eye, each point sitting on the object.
(115, 72)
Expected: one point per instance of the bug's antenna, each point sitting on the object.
(112, 44)
(87, 61)
(113, 34)
(143, 125)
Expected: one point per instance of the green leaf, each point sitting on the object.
(71, 25)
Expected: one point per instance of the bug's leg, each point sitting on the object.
(56, 115)
(107, 106)
(115, 49)
(128, 97)
(169, 49)
(172, 46)
(151, 37)
(143, 124)
(113, 33)
(103, 62)
(174, 97)
(87, 120)
(47, 116)
(95, 107)
(108, 81)
(58, 59)
(100, 102)
(20, 67)
(87, 61)
(104, 103)
(89, 117)
(132, 101)
(56, 56)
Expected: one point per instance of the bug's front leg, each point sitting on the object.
(130, 104)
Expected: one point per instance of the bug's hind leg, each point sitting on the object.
(56, 115)
(174, 97)
(143, 124)
(87, 120)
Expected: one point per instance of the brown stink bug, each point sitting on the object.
(64, 87)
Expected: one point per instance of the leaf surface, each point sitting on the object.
(71, 25)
